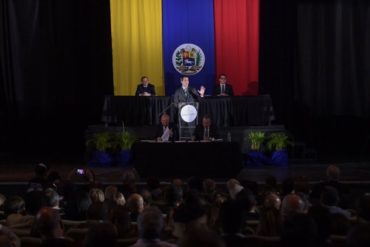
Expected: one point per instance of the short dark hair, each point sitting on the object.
(143, 77)
(182, 77)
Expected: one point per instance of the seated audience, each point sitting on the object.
(49, 225)
(150, 224)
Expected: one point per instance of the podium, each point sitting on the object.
(187, 119)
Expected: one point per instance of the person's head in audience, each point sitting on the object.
(359, 236)
(52, 198)
(272, 200)
(14, 205)
(200, 237)
(101, 234)
(110, 192)
(135, 204)
(299, 230)
(333, 173)
(150, 223)
(48, 223)
(363, 208)
(96, 195)
(8, 238)
(119, 199)
(41, 170)
(292, 204)
(234, 187)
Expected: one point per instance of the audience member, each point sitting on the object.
(49, 225)
(15, 213)
(135, 205)
(150, 224)
(8, 238)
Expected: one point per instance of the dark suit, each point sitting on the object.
(228, 89)
(141, 89)
(191, 95)
(199, 132)
(159, 131)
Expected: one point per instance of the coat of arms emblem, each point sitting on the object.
(188, 59)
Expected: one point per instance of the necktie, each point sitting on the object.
(222, 88)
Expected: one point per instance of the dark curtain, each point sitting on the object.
(56, 66)
(315, 57)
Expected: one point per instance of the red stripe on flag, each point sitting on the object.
(237, 43)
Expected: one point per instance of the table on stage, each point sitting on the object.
(184, 159)
(225, 111)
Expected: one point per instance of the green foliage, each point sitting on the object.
(100, 141)
(278, 141)
(256, 138)
(124, 140)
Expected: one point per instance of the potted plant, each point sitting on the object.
(255, 156)
(278, 143)
(123, 142)
(100, 143)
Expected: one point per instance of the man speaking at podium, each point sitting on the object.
(186, 93)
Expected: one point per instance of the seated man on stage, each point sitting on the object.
(224, 88)
(165, 131)
(205, 131)
(145, 88)
(186, 93)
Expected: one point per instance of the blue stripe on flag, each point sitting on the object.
(188, 21)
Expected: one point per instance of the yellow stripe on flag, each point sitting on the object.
(137, 44)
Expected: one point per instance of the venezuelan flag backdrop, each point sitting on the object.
(146, 33)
